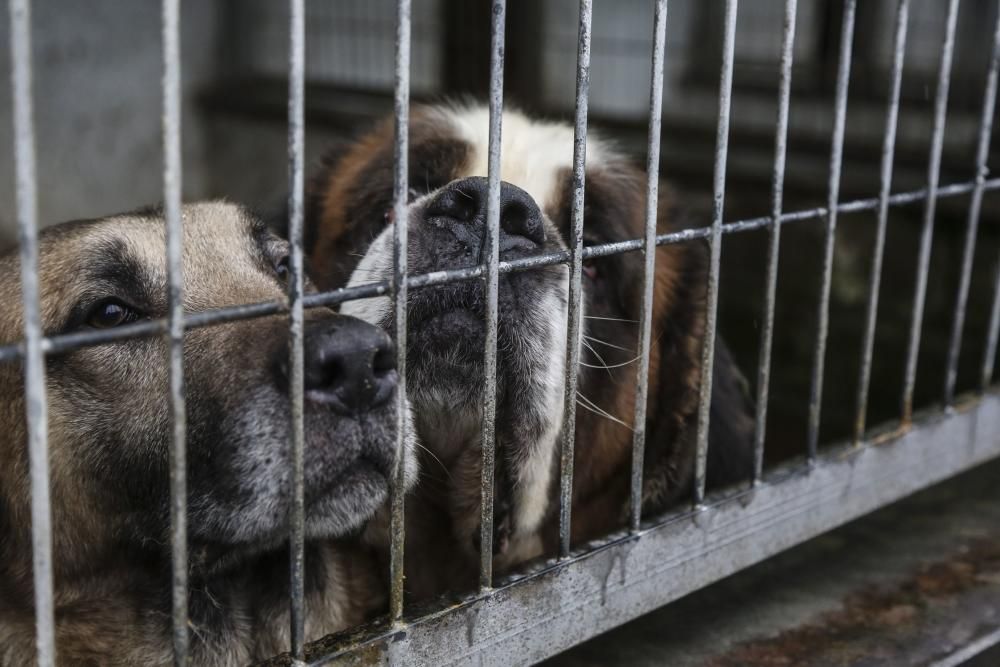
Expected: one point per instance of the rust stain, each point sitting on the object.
(872, 612)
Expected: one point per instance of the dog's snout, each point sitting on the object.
(462, 208)
(349, 365)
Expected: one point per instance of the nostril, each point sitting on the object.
(384, 361)
(519, 219)
(454, 203)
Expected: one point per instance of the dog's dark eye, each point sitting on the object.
(111, 313)
(281, 267)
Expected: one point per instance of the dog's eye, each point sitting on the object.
(111, 313)
(281, 267)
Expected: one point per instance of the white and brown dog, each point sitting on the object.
(346, 220)
(109, 431)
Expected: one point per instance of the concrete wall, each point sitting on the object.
(97, 105)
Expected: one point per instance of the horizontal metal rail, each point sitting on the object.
(62, 343)
(533, 616)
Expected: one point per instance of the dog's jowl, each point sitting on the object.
(109, 431)
(347, 220)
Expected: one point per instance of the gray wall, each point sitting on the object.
(97, 105)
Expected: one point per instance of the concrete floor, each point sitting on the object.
(909, 585)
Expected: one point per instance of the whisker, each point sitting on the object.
(607, 344)
(610, 319)
(596, 354)
(434, 456)
(624, 363)
(593, 407)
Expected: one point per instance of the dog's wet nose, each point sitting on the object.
(349, 364)
(462, 206)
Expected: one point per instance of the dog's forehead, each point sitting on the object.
(225, 260)
(536, 155)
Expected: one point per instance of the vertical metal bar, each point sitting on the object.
(34, 360)
(836, 156)
(575, 314)
(990, 354)
(888, 151)
(400, 189)
(715, 248)
(649, 267)
(175, 324)
(498, 14)
(927, 234)
(972, 225)
(777, 196)
(296, 149)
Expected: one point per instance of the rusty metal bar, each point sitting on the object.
(498, 14)
(534, 616)
(774, 229)
(888, 152)
(927, 233)
(63, 343)
(649, 266)
(36, 412)
(972, 225)
(296, 269)
(400, 189)
(833, 190)
(715, 249)
(575, 312)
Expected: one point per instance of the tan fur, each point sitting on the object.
(102, 615)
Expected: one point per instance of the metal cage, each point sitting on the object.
(581, 592)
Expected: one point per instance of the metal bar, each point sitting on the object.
(649, 265)
(296, 373)
(65, 342)
(888, 151)
(777, 196)
(715, 249)
(836, 158)
(400, 189)
(927, 234)
(975, 647)
(990, 354)
(36, 413)
(498, 14)
(575, 312)
(972, 225)
(175, 325)
(564, 602)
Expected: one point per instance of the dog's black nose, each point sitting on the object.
(350, 365)
(461, 207)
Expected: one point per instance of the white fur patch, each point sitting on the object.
(533, 153)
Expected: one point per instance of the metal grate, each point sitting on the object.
(580, 593)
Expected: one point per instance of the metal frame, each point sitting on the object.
(578, 594)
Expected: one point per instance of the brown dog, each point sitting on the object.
(448, 152)
(108, 444)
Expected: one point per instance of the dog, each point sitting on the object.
(448, 144)
(109, 433)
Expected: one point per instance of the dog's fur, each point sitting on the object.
(345, 220)
(109, 431)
